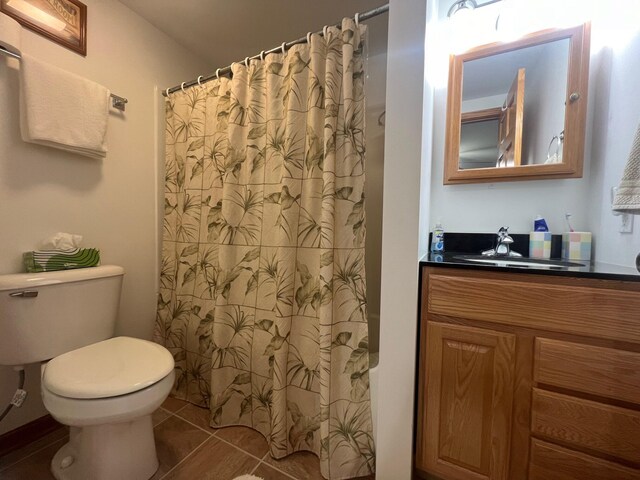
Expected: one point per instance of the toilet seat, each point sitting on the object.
(113, 367)
(80, 412)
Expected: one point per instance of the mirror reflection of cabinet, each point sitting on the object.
(517, 111)
(510, 127)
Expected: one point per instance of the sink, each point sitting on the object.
(518, 261)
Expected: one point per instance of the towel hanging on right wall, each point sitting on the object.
(627, 199)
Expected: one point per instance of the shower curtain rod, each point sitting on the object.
(223, 71)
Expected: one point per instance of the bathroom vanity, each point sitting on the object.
(528, 374)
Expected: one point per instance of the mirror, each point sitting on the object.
(517, 111)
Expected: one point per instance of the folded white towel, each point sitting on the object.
(62, 110)
(10, 31)
(627, 199)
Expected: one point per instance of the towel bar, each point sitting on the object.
(117, 101)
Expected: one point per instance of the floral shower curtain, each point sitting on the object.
(262, 299)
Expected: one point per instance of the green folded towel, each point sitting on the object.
(50, 260)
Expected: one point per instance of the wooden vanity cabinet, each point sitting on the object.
(525, 376)
(470, 396)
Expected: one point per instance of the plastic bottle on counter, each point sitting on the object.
(437, 239)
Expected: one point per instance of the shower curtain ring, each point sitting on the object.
(182, 87)
(357, 19)
(246, 62)
(166, 92)
(218, 74)
(199, 78)
(282, 47)
(262, 56)
(309, 38)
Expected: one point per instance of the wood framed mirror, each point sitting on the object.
(517, 110)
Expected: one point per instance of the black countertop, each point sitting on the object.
(459, 245)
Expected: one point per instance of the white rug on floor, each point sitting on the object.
(248, 477)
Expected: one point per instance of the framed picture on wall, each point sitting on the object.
(61, 21)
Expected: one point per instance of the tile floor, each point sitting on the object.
(187, 449)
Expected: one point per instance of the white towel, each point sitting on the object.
(62, 110)
(10, 31)
(627, 198)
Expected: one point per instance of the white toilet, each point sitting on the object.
(104, 388)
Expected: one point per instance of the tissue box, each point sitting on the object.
(540, 244)
(576, 245)
(52, 260)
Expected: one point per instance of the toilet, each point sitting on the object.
(104, 388)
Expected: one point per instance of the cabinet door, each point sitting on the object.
(469, 397)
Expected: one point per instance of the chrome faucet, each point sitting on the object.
(503, 245)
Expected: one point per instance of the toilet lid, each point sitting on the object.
(109, 368)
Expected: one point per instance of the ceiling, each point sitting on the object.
(226, 31)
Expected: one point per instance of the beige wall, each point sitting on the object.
(113, 203)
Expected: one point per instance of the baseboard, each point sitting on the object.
(26, 434)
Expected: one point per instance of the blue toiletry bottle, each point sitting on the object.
(540, 225)
(437, 239)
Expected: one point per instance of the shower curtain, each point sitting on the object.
(262, 297)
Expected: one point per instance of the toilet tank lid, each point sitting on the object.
(26, 280)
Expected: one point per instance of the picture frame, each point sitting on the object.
(61, 21)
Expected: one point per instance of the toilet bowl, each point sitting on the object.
(106, 393)
(104, 388)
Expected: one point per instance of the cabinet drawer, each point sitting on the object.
(600, 371)
(580, 310)
(551, 462)
(591, 425)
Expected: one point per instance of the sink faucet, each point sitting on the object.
(503, 245)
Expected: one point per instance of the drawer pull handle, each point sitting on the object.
(25, 294)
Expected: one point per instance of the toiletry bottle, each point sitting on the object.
(437, 239)
(540, 224)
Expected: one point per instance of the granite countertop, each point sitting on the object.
(458, 245)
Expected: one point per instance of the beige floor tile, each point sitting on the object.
(215, 460)
(185, 452)
(196, 415)
(173, 404)
(246, 438)
(160, 415)
(302, 465)
(34, 467)
(13, 457)
(267, 473)
(175, 439)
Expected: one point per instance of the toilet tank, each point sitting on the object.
(43, 315)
